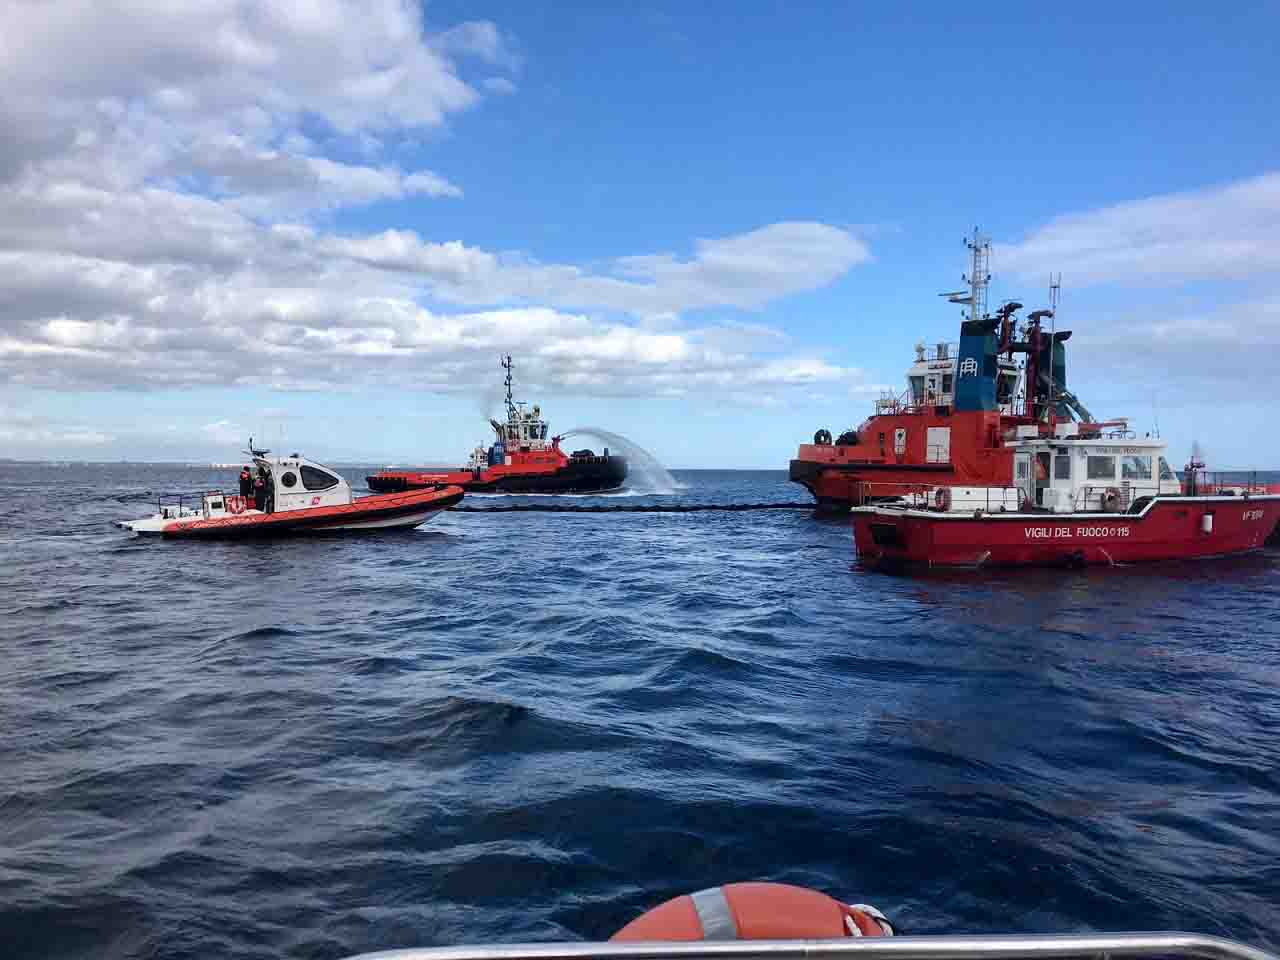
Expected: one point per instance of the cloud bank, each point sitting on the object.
(167, 170)
(1205, 265)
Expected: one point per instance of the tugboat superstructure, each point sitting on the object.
(523, 458)
(962, 401)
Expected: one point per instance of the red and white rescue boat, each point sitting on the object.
(1076, 500)
(302, 497)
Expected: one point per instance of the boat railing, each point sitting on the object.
(173, 504)
(1099, 946)
(1228, 483)
(904, 403)
(914, 495)
(1093, 496)
(927, 496)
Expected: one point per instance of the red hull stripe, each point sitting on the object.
(386, 506)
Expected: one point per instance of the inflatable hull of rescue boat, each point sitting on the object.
(1166, 528)
(385, 512)
(579, 475)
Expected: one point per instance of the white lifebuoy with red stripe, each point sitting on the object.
(756, 911)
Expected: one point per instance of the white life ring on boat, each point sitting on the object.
(235, 504)
(942, 499)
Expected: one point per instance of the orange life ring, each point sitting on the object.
(235, 504)
(756, 911)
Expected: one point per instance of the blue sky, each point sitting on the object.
(713, 230)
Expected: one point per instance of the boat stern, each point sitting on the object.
(884, 538)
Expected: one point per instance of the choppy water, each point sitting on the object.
(534, 726)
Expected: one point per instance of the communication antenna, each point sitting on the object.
(978, 278)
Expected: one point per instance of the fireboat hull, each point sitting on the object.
(579, 475)
(1166, 528)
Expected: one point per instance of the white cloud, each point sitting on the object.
(1223, 348)
(212, 97)
(745, 271)
(1218, 233)
(359, 66)
(482, 39)
(292, 308)
(1182, 342)
(160, 166)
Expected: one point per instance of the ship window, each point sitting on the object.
(289, 478)
(314, 479)
(946, 383)
(1062, 466)
(1101, 468)
(917, 388)
(1166, 472)
(1135, 468)
(1024, 469)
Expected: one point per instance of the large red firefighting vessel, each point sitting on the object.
(949, 426)
(521, 460)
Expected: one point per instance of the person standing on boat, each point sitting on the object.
(246, 482)
(268, 491)
(260, 491)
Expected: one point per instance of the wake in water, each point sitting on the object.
(645, 474)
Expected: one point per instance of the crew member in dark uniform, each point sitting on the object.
(260, 492)
(246, 482)
(270, 485)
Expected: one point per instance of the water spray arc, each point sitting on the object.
(645, 472)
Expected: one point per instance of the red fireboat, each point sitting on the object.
(520, 460)
(948, 428)
(1076, 500)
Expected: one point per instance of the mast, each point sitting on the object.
(978, 278)
(1055, 291)
(511, 407)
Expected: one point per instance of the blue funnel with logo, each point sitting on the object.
(976, 368)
